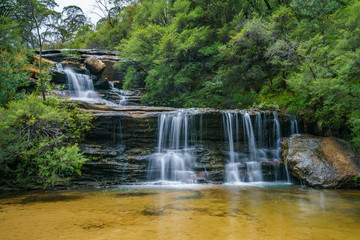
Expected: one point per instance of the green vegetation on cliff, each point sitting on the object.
(302, 55)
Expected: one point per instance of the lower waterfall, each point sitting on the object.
(261, 144)
(174, 157)
(251, 147)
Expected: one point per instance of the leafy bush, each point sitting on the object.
(12, 76)
(130, 78)
(38, 141)
(59, 165)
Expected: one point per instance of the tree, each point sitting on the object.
(71, 20)
(13, 76)
(22, 13)
(42, 83)
(109, 10)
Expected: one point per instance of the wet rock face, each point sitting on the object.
(114, 165)
(123, 140)
(322, 162)
(59, 77)
(210, 164)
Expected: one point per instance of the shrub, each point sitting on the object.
(38, 141)
(12, 76)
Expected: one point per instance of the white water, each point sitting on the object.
(122, 94)
(294, 127)
(81, 87)
(174, 158)
(260, 145)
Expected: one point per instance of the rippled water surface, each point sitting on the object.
(182, 212)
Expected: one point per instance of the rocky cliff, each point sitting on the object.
(124, 139)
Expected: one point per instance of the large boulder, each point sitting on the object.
(59, 77)
(95, 65)
(324, 162)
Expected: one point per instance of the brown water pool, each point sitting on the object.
(182, 212)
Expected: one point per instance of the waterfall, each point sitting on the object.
(232, 170)
(80, 85)
(259, 129)
(276, 131)
(249, 132)
(59, 67)
(174, 158)
(277, 139)
(121, 94)
(294, 128)
(259, 146)
(253, 165)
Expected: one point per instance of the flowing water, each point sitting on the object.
(294, 126)
(121, 94)
(81, 86)
(174, 157)
(185, 212)
(259, 145)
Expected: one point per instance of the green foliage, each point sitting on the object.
(301, 55)
(59, 165)
(356, 181)
(12, 76)
(38, 141)
(10, 34)
(130, 78)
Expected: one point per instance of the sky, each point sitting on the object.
(86, 5)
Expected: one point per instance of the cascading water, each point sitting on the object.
(121, 94)
(59, 67)
(253, 166)
(259, 146)
(232, 171)
(80, 85)
(294, 126)
(174, 158)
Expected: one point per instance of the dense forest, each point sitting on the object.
(299, 55)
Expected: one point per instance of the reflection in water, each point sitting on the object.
(182, 212)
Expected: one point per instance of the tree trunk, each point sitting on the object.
(42, 88)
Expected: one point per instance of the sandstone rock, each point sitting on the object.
(34, 72)
(76, 66)
(95, 65)
(43, 61)
(325, 162)
(111, 73)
